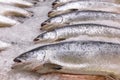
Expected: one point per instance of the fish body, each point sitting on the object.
(78, 17)
(71, 31)
(3, 45)
(5, 21)
(85, 5)
(8, 10)
(19, 3)
(58, 3)
(73, 57)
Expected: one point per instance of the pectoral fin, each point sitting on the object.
(53, 66)
(60, 39)
(73, 10)
(111, 77)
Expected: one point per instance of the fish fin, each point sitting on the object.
(73, 10)
(111, 77)
(50, 28)
(53, 66)
(60, 39)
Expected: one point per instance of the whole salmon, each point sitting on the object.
(70, 31)
(85, 5)
(58, 3)
(74, 57)
(79, 17)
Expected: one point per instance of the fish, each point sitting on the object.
(8, 10)
(74, 57)
(18, 3)
(58, 3)
(6, 22)
(79, 17)
(4, 45)
(71, 31)
(85, 5)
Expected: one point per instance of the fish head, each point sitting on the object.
(52, 22)
(45, 37)
(29, 60)
(56, 3)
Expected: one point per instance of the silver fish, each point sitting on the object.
(58, 3)
(4, 45)
(76, 57)
(15, 11)
(85, 5)
(78, 17)
(19, 3)
(70, 31)
(6, 22)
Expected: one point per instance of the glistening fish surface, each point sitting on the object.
(85, 5)
(70, 31)
(57, 3)
(74, 57)
(79, 16)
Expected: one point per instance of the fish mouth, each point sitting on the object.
(47, 26)
(27, 66)
(38, 40)
(53, 13)
(44, 24)
(56, 4)
(19, 65)
(17, 60)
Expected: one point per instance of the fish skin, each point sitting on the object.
(74, 57)
(19, 3)
(4, 45)
(8, 10)
(77, 17)
(85, 5)
(6, 22)
(58, 3)
(71, 31)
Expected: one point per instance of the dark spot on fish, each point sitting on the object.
(73, 10)
(35, 3)
(36, 39)
(43, 24)
(57, 67)
(53, 66)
